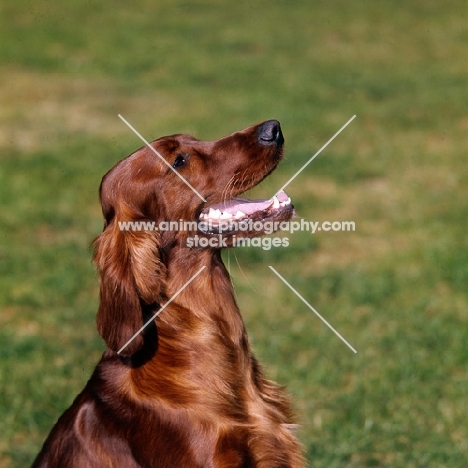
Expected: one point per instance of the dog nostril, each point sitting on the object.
(270, 132)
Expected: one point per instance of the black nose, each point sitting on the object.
(270, 132)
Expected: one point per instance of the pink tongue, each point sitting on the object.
(245, 205)
(248, 206)
(282, 196)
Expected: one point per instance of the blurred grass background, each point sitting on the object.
(395, 288)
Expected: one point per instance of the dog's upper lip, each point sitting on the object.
(240, 207)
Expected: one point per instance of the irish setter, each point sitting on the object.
(185, 392)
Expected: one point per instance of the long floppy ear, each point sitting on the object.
(131, 274)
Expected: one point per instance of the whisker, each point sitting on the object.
(243, 274)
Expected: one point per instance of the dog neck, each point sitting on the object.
(205, 289)
(201, 338)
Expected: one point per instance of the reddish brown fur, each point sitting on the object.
(187, 392)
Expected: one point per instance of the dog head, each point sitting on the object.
(177, 179)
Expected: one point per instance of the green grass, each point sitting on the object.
(395, 288)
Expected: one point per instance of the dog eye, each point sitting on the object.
(180, 161)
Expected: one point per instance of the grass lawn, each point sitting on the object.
(395, 288)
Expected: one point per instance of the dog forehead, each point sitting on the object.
(181, 143)
(174, 142)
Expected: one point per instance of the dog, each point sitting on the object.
(178, 386)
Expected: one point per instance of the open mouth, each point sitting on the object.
(223, 217)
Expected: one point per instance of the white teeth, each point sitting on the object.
(217, 214)
(286, 202)
(276, 203)
(214, 214)
(240, 214)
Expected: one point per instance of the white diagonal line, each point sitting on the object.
(317, 153)
(159, 154)
(312, 309)
(160, 310)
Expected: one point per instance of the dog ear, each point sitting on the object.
(131, 274)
